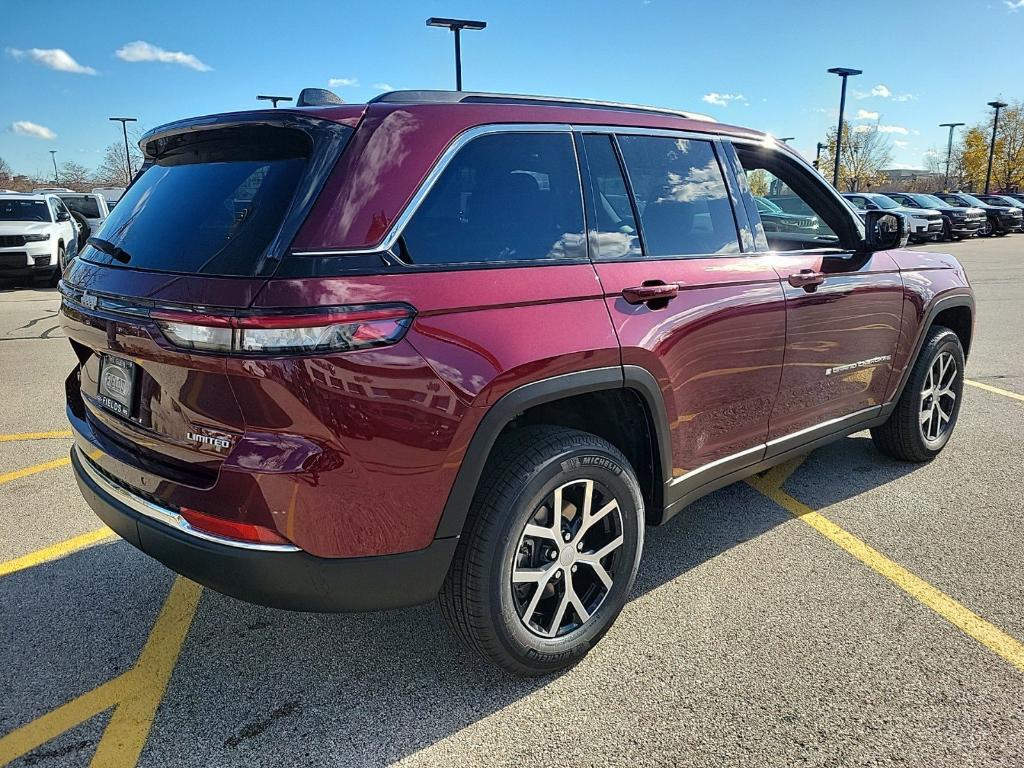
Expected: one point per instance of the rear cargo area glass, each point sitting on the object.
(209, 205)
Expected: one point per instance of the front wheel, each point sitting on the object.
(926, 413)
(61, 263)
(550, 551)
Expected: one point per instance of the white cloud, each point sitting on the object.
(893, 129)
(140, 50)
(723, 99)
(1014, 5)
(862, 128)
(901, 144)
(53, 58)
(863, 114)
(389, 87)
(26, 128)
(883, 91)
(343, 82)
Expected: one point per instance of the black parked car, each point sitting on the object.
(775, 219)
(1001, 218)
(999, 200)
(958, 222)
(924, 224)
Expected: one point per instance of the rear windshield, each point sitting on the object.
(87, 205)
(210, 204)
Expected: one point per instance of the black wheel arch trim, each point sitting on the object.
(962, 298)
(513, 403)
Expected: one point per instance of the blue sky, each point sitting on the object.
(756, 64)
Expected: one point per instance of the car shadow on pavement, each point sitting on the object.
(260, 686)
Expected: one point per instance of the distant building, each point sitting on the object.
(912, 179)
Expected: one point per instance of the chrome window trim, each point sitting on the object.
(166, 516)
(439, 167)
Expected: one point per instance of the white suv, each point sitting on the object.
(38, 237)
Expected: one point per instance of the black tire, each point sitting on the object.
(478, 599)
(947, 230)
(903, 436)
(59, 270)
(986, 229)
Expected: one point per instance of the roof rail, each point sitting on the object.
(464, 97)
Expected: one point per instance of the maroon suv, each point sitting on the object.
(355, 357)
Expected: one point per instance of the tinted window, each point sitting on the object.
(503, 197)
(87, 205)
(681, 196)
(23, 210)
(210, 205)
(613, 231)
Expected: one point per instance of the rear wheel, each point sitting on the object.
(550, 551)
(926, 412)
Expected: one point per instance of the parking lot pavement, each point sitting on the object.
(751, 637)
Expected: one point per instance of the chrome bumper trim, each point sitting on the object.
(167, 516)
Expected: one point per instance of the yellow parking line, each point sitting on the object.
(949, 609)
(996, 390)
(19, 473)
(56, 551)
(136, 694)
(35, 435)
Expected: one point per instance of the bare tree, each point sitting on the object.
(1008, 158)
(75, 176)
(6, 174)
(866, 151)
(112, 169)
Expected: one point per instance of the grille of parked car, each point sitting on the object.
(14, 260)
(11, 241)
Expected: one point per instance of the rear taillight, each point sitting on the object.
(335, 330)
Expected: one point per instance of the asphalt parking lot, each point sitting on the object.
(843, 610)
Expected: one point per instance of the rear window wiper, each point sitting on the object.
(110, 249)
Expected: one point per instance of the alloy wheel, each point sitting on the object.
(938, 398)
(565, 563)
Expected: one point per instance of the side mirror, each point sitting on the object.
(62, 216)
(885, 231)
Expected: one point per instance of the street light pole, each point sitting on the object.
(844, 73)
(274, 99)
(53, 156)
(124, 129)
(996, 105)
(456, 26)
(817, 156)
(787, 139)
(949, 148)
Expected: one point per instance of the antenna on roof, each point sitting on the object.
(317, 97)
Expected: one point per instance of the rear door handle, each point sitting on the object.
(650, 291)
(807, 279)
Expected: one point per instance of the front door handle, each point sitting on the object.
(807, 279)
(650, 291)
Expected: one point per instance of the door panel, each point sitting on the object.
(842, 334)
(716, 349)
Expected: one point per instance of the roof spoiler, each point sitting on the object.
(317, 97)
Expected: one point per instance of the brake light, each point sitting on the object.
(229, 529)
(335, 330)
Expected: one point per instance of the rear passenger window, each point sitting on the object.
(504, 197)
(681, 196)
(613, 232)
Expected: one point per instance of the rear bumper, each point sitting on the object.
(294, 580)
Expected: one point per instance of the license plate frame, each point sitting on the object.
(116, 388)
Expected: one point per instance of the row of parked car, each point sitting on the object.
(941, 216)
(43, 230)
